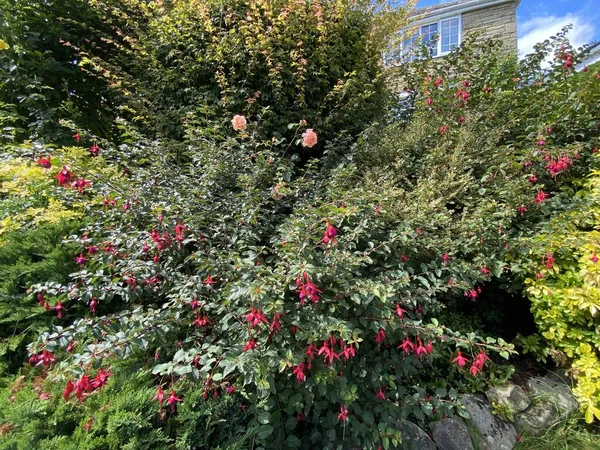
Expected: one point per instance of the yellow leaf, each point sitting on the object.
(4, 45)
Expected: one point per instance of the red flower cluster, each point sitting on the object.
(559, 165)
(256, 317)
(541, 196)
(330, 234)
(94, 150)
(328, 350)
(307, 289)
(479, 362)
(85, 386)
(44, 359)
(64, 176)
(45, 163)
(417, 348)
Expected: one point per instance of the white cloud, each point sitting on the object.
(541, 28)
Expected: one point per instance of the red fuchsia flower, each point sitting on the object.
(443, 129)
(377, 209)
(533, 179)
(45, 359)
(487, 89)
(541, 196)
(594, 259)
(179, 229)
(94, 150)
(522, 210)
(595, 149)
(472, 294)
(83, 386)
(59, 308)
(420, 349)
(230, 389)
(380, 336)
(399, 311)
(559, 165)
(101, 379)
(172, 401)
(93, 305)
(299, 372)
(466, 83)
(64, 176)
(328, 353)
(40, 298)
(208, 281)
(45, 163)
(541, 143)
(380, 395)
(70, 347)
(256, 317)
(200, 321)
(485, 270)
(194, 303)
(89, 424)
(69, 388)
(276, 324)
(160, 396)
(480, 359)
(77, 137)
(131, 282)
(549, 261)
(429, 347)
(460, 360)
(311, 351)
(109, 202)
(461, 119)
(404, 258)
(429, 101)
(309, 138)
(348, 351)
(80, 184)
(300, 417)
(307, 289)
(474, 370)
(92, 250)
(446, 258)
(81, 260)
(156, 258)
(407, 346)
(438, 81)
(330, 234)
(343, 415)
(250, 345)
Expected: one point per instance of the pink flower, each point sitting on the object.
(80, 184)
(429, 101)
(172, 400)
(64, 176)
(160, 396)
(276, 324)
(343, 415)
(299, 372)
(443, 129)
(239, 122)
(541, 143)
(348, 351)
(309, 138)
(307, 289)
(93, 304)
(208, 280)
(485, 270)
(474, 370)
(407, 346)
(200, 321)
(330, 234)
(533, 179)
(541, 196)
(380, 336)
(522, 209)
(480, 359)
(101, 379)
(256, 317)
(446, 258)
(68, 390)
(380, 395)
(77, 137)
(420, 350)
(45, 163)
(328, 351)
(81, 260)
(250, 345)
(594, 259)
(94, 150)
(460, 360)
(549, 261)
(59, 308)
(399, 311)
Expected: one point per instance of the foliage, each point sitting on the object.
(563, 288)
(571, 434)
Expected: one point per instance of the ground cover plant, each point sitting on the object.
(262, 230)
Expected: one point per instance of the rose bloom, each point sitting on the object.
(309, 138)
(238, 122)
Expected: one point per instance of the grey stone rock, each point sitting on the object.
(414, 438)
(537, 419)
(498, 434)
(510, 395)
(557, 393)
(451, 434)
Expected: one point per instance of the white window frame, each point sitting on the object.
(425, 23)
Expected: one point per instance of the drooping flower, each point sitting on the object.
(549, 261)
(239, 122)
(299, 372)
(230, 389)
(83, 386)
(380, 395)
(59, 308)
(380, 336)
(399, 311)
(309, 138)
(311, 351)
(541, 196)
(64, 176)
(77, 137)
(420, 349)
(172, 401)
(343, 415)
(45, 359)
(460, 360)
(160, 396)
(80, 184)
(474, 370)
(276, 324)
(94, 150)
(446, 258)
(407, 346)
(480, 359)
(208, 280)
(81, 260)
(307, 289)
(93, 305)
(348, 351)
(250, 345)
(594, 259)
(200, 321)
(485, 270)
(101, 379)
(256, 317)
(68, 390)
(429, 101)
(533, 179)
(328, 352)
(522, 209)
(443, 129)
(45, 163)
(330, 234)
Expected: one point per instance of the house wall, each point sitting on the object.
(499, 21)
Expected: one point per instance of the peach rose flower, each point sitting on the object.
(239, 122)
(309, 138)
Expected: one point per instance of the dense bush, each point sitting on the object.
(298, 251)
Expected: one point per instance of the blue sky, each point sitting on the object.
(539, 19)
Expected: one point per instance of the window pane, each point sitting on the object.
(429, 33)
(449, 34)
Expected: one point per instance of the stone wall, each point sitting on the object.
(498, 22)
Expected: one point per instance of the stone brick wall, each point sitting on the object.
(498, 21)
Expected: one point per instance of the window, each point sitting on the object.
(439, 37)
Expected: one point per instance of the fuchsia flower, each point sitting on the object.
(380, 336)
(594, 259)
(549, 261)
(64, 176)
(276, 324)
(541, 143)
(45, 359)
(460, 360)
(348, 351)
(522, 210)
(407, 346)
(429, 101)
(443, 129)
(208, 280)
(380, 395)
(77, 137)
(94, 150)
(93, 304)
(83, 386)
(80, 184)
(200, 321)
(472, 294)
(446, 258)
(256, 317)
(250, 345)
(330, 234)
(533, 179)
(485, 270)
(309, 138)
(194, 303)
(172, 401)
(299, 372)
(59, 308)
(420, 349)
(45, 163)
(541, 196)
(307, 289)
(438, 81)
(160, 396)
(81, 260)
(230, 389)
(399, 311)
(311, 351)
(343, 415)
(404, 258)
(68, 390)
(328, 352)
(101, 379)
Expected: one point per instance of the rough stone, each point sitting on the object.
(451, 434)
(557, 393)
(414, 438)
(510, 395)
(537, 419)
(498, 434)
